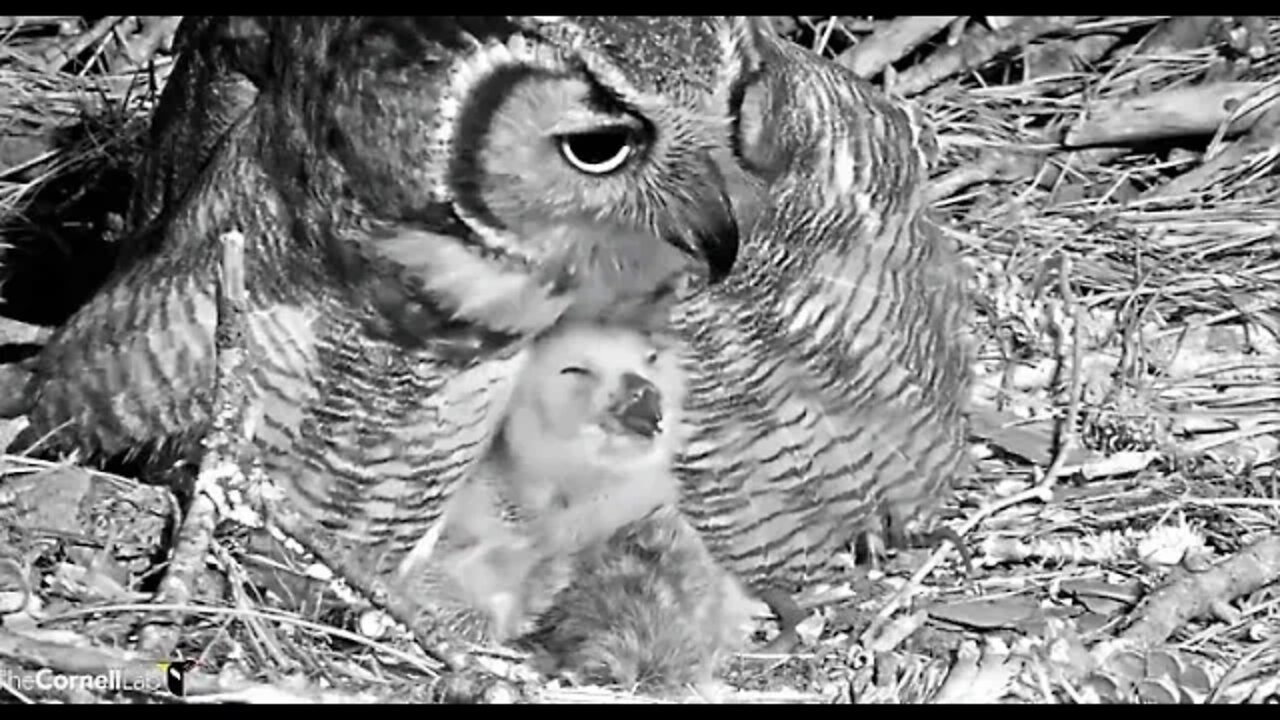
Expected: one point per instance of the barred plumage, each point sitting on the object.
(398, 262)
(827, 376)
(824, 378)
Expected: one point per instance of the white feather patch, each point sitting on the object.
(843, 171)
(422, 550)
(475, 288)
(472, 69)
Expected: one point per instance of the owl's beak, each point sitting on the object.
(714, 242)
(638, 405)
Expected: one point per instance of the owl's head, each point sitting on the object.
(605, 390)
(529, 151)
(554, 153)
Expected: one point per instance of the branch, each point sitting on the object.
(55, 57)
(1191, 594)
(1262, 136)
(892, 43)
(980, 46)
(1180, 112)
(69, 654)
(227, 445)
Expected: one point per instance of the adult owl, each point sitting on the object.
(421, 197)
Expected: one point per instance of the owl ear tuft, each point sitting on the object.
(753, 43)
(756, 104)
(738, 45)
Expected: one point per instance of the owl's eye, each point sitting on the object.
(652, 357)
(598, 152)
(574, 370)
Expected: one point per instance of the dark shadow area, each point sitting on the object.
(18, 352)
(60, 242)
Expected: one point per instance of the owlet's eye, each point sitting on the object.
(575, 370)
(598, 152)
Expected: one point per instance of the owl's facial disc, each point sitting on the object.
(609, 149)
(551, 149)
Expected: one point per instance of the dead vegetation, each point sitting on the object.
(1113, 183)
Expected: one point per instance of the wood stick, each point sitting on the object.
(1180, 112)
(991, 165)
(955, 32)
(1192, 594)
(14, 22)
(226, 447)
(56, 57)
(74, 656)
(892, 42)
(1262, 136)
(156, 33)
(979, 46)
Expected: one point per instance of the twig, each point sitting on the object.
(992, 165)
(16, 693)
(1262, 136)
(14, 22)
(973, 521)
(273, 694)
(892, 42)
(231, 435)
(1067, 436)
(420, 664)
(975, 50)
(1043, 490)
(1192, 594)
(56, 57)
(156, 33)
(1264, 100)
(1181, 112)
(79, 658)
(1241, 669)
(257, 629)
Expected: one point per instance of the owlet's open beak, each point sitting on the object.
(637, 406)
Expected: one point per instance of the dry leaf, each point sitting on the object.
(1006, 613)
(980, 678)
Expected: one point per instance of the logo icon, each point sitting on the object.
(175, 675)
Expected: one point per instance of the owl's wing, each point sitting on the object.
(828, 375)
(208, 90)
(366, 437)
(789, 455)
(131, 366)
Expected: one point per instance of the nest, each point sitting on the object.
(1112, 182)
